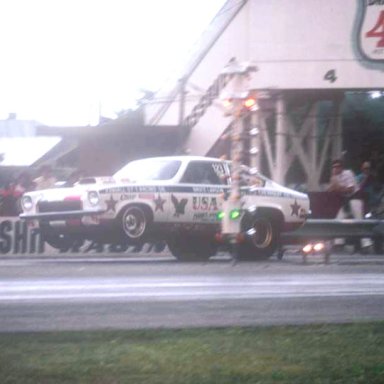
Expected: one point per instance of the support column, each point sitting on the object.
(182, 101)
(337, 147)
(281, 141)
(313, 148)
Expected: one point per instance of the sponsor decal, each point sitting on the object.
(179, 205)
(204, 203)
(159, 203)
(370, 33)
(118, 190)
(125, 197)
(268, 193)
(207, 190)
(153, 190)
(205, 216)
(111, 204)
(146, 196)
(295, 208)
(132, 189)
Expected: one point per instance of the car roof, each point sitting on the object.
(184, 158)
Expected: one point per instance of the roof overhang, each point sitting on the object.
(25, 151)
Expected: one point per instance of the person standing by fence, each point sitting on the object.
(370, 187)
(343, 182)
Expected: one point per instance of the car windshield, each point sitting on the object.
(149, 169)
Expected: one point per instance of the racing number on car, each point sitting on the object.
(330, 76)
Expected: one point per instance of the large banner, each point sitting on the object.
(16, 238)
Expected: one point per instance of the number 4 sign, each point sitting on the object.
(371, 30)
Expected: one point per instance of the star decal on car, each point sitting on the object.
(159, 203)
(295, 209)
(111, 204)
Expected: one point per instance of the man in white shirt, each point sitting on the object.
(46, 179)
(344, 182)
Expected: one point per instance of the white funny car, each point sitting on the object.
(177, 199)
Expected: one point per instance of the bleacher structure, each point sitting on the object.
(309, 53)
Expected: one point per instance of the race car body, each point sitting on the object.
(176, 199)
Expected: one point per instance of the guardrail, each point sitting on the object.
(328, 229)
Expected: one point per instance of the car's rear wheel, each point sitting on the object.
(262, 237)
(135, 222)
(191, 248)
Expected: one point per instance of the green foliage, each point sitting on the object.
(298, 354)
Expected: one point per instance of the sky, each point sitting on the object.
(64, 62)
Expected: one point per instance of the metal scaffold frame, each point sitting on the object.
(308, 142)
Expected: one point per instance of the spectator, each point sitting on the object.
(46, 179)
(24, 183)
(367, 186)
(11, 193)
(342, 180)
(73, 178)
(344, 183)
(377, 163)
(8, 199)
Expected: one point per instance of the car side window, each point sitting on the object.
(201, 173)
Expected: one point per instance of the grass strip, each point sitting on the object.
(348, 353)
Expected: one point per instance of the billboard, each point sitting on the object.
(312, 44)
(17, 238)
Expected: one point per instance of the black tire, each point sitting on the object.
(262, 237)
(188, 248)
(378, 245)
(61, 241)
(135, 222)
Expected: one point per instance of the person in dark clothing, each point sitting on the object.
(369, 187)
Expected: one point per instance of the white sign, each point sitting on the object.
(371, 30)
(16, 238)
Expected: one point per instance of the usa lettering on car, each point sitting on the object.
(204, 203)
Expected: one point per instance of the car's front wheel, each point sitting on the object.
(262, 237)
(135, 222)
